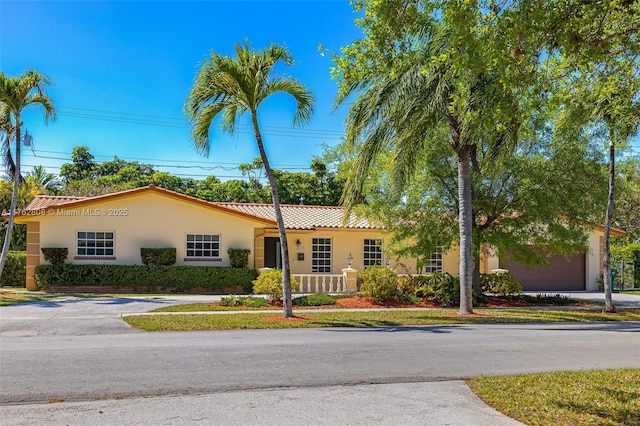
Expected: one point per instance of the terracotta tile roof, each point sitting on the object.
(302, 216)
(46, 201)
(295, 216)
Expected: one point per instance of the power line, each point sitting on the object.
(240, 177)
(174, 122)
(194, 165)
(154, 162)
(183, 120)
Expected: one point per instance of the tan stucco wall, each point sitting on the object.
(451, 261)
(343, 242)
(33, 253)
(593, 261)
(147, 220)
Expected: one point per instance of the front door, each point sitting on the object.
(272, 253)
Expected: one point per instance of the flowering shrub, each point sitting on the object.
(379, 283)
(270, 283)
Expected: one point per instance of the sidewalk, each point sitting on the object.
(408, 404)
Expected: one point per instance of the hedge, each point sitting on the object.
(15, 270)
(55, 255)
(158, 256)
(239, 258)
(176, 279)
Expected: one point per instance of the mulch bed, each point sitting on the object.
(359, 301)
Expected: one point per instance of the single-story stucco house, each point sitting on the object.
(112, 228)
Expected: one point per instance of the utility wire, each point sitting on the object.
(155, 162)
(174, 122)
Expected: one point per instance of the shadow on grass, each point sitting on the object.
(389, 327)
(621, 415)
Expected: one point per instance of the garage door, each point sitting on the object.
(561, 275)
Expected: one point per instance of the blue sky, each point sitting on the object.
(121, 71)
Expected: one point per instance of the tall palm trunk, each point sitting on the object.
(608, 302)
(287, 305)
(465, 225)
(14, 200)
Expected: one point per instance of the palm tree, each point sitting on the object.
(16, 93)
(228, 87)
(47, 181)
(407, 109)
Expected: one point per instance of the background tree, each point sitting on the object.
(228, 87)
(85, 177)
(627, 213)
(604, 92)
(17, 93)
(492, 77)
(429, 77)
(619, 106)
(48, 183)
(557, 181)
(82, 166)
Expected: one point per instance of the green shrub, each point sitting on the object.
(15, 270)
(158, 256)
(270, 283)
(316, 299)
(239, 258)
(546, 299)
(444, 289)
(504, 284)
(629, 253)
(177, 279)
(55, 255)
(248, 301)
(440, 288)
(379, 283)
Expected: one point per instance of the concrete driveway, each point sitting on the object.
(78, 316)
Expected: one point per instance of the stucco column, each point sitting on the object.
(33, 253)
(350, 279)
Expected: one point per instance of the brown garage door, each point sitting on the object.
(561, 275)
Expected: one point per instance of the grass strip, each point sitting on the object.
(15, 298)
(208, 307)
(604, 397)
(381, 318)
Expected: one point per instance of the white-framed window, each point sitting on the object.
(321, 255)
(372, 252)
(203, 246)
(95, 243)
(435, 262)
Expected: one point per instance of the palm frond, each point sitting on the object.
(304, 99)
(7, 158)
(226, 87)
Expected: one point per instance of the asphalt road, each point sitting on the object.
(79, 351)
(76, 368)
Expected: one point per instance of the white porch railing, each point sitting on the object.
(321, 283)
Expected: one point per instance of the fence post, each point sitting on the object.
(350, 280)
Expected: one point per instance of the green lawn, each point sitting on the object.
(635, 291)
(606, 397)
(379, 318)
(13, 298)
